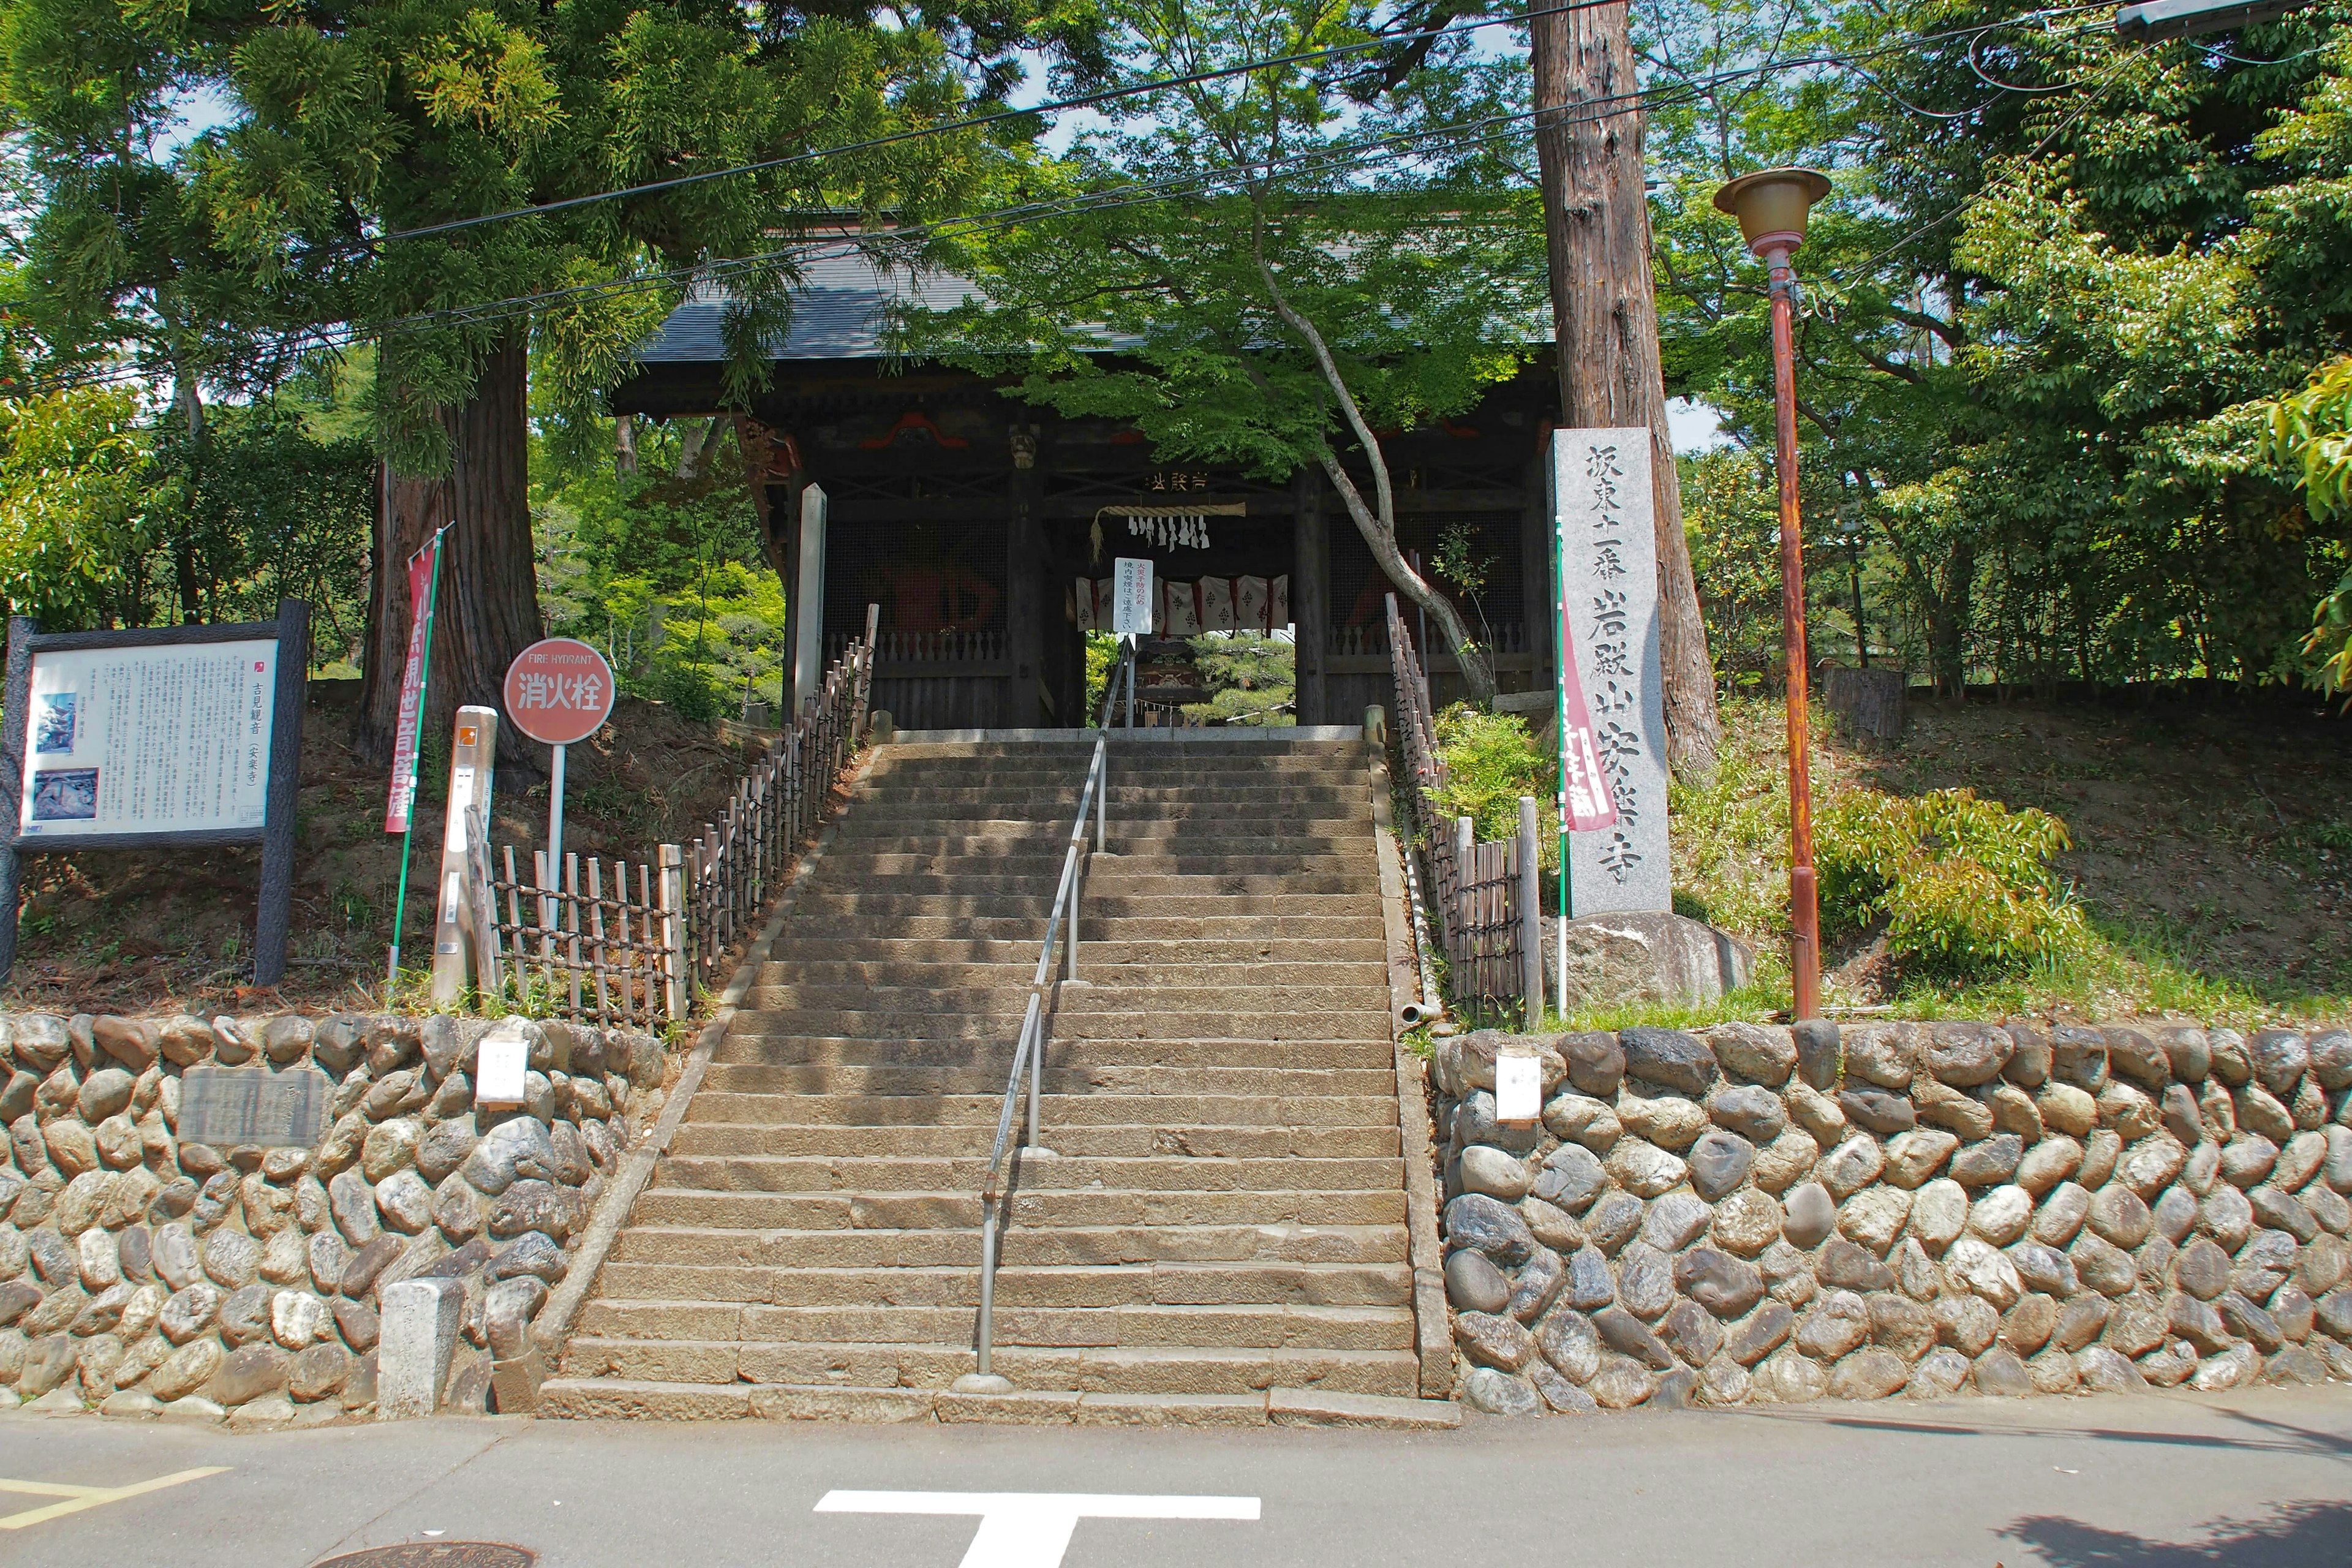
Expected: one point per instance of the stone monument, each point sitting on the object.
(1622, 942)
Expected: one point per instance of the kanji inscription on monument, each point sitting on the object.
(1608, 609)
(224, 1108)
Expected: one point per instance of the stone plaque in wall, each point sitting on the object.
(226, 1107)
(1606, 605)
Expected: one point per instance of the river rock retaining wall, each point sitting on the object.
(141, 1276)
(1747, 1214)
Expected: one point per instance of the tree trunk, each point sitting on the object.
(487, 610)
(625, 445)
(1376, 519)
(1948, 622)
(1604, 309)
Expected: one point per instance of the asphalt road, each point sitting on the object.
(2261, 1478)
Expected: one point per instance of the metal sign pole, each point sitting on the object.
(554, 835)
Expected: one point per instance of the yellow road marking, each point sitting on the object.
(79, 1497)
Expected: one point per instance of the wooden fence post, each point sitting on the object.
(1531, 968)
(671, 858)
(1459, 918)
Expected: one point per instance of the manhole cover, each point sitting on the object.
(437, 1554)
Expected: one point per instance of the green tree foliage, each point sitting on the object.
(2059, 280)
(109, 519)
(1251, 678)
(2311, 437)
(1291, 297)
(665, 574)
(74, 526)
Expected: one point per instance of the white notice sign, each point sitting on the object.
(149, 740)
(498, 1070)
(1518, 1088)
(1130, 605)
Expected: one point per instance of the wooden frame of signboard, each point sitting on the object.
(291, 632)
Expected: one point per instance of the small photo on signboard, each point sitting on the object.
(52, 723)
(65, 795)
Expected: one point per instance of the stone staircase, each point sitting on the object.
(1221, 1233)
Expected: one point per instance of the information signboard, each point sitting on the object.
(156, 737)
(148, 740)
(1130, 601)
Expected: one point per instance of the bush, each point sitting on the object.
(1964, 885)
(1493, 760)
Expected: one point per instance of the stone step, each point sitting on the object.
(951, 1096)
(1267, 833)
(1041, 1285)
(1243, 1327)
(1103, 972)
(1023, 1246)
(876, 930)
(888, 763)
(628, 1400)
(1104, 879)
(1185, 745)
(663, 1204)
(745, 1044)
(820, 902)
(1022, 954)
(1066, 1136)
(1152, 1369)
(1277, 807)
(1137, 1025)
(1091, 995)
(1046, 861)
(1044, 799)
(1160, 1172)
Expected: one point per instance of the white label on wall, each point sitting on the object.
(498, 1070)
(1518, 1088)
(149, 740)
(1131, 607)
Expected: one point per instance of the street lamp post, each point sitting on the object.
(1772, 208)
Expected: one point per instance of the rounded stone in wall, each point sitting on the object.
(1719, 1162)
(1474, 1284)
(1497, 1393)
(1483, 1170)
(1747, 1222)
(1939, 1213)
(1645, 1169)
(2227, 1218)
(1874, 1216)
(1788, 1378)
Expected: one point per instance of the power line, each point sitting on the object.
(1332, 159)
(1091, 100)
(1086, 101)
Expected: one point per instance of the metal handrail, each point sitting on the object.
(1029, 1051)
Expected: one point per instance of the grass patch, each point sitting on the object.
(2124, 958)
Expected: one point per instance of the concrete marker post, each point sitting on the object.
(421, 1320)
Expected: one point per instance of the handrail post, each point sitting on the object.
(1036, 1074)
(987, 1286)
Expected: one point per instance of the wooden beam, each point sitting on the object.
(1310, 592)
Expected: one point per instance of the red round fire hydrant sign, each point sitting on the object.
(559, 690)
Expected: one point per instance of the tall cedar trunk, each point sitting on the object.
(1604, 309)
(487, 610)
(1947, 623)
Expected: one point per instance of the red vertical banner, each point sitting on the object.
(423, 569)
(1586, 803)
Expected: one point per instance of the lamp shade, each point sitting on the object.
(1772, 204)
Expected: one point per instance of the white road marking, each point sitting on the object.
(1032, 1530)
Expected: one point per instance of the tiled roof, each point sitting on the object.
(836, 313)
